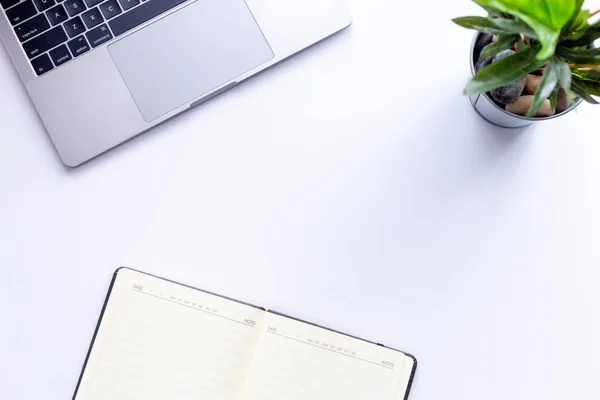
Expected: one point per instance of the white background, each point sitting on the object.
(353, 186)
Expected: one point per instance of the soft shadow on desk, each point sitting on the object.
(313, 51)
(437, 180)
(495, 140)
(435, 168)
(489, 142)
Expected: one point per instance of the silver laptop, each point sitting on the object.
(99, 72)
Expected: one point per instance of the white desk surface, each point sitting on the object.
(352, 186)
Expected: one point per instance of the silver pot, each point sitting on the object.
(492, 112)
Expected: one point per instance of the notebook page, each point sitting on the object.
(409, 364)
(298, 361)
(159, 340)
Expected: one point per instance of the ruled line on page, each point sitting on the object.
(193, 308)
(332, 351)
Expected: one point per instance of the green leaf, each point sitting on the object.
(564, 73)
(505, 71)
(480, 24)
(586, 37)
(546, 17)
(493, 13)
(515, 26)
(582, 51)
(547, 86)
(586, 84)
(588, 80)
(504, 43)
(577, 35)
(589, 57)
(581, 21)
(578, 21)
(578, 87)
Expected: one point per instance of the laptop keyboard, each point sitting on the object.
(53, 32)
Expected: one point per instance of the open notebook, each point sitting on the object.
(157, 339)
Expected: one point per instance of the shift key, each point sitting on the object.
(45, 42)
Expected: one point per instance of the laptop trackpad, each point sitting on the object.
(189, 53)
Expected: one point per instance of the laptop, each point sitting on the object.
(100, 72)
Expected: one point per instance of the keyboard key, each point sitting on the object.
(8, 3)
(74, 7)
(141, 14)
(99, 35)
(43, 5)
(42, 64)
(92, 3)
(74, 27)
(127, 4)
(44, 42)
(110, 9)
(57, 15)
(60, 55)
(32, 27)
(92, 18)
(21, 12)
(78, 46)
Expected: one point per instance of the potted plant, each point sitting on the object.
(532, 60)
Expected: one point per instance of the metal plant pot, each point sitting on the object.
(494, 113)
